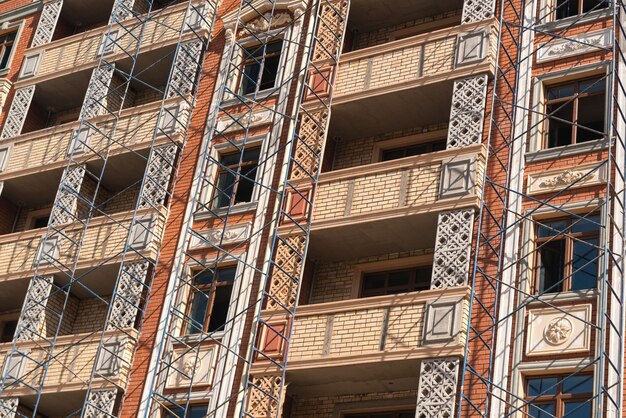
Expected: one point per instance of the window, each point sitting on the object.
(575, 112)
(253, 62)
(567, 254)
(567, 8)
(398, 281)
(233, 187)
(411, 150)
(7, 42)
(210, 299)
(7, 329)
(41, 221)
(193, 411)
(559, 396)
(391, 414)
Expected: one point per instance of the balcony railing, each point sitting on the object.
(394, 327)
(48, 148)
(423, 59)
(82, 51)
(103, 242)
(73, 362)
(420, 184)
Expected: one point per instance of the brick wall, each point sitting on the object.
(386, 34)
(334, 281)
(360, 151)
(91, 315)
(323, 407)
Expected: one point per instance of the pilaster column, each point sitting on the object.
(17, 112)
(47, 22)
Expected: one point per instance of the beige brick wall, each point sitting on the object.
(324, 407)
(360, 151)
(386, 34)
(334, 281)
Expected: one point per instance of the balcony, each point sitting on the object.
(387, 202)
(103, 242)
(408, 82)
(379, 338)
(84, 50)
(72, 366)
(47, 149)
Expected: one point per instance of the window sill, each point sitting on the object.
(236, 209)
(263, 94)
(566, 151)
(577, 296)
(196, 338)
(560, 24)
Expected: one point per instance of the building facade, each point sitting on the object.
(311, 208)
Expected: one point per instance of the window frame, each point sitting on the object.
(395, 412)
(220, 170)
(580, 12)
(249, 60)
(410, 286)
(165, 413)
(407, 141)
(194, 289)
(574, 99)
(569, 238)
(559, 398)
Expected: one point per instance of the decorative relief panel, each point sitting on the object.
(34, 310)
(262, 396)
(186, 63)
(477, 10)
(158, 175)
(17, 112)
(110, 354)
(245, 120)
(142, 232)
(95, 103)
(231, 235)
(4, 159)
(581, 176)
(436, 391)
(452, 249)
(8, 407)
(5, 88)
(199, 16)
(48, 251)
(468, 112)
(66, 202)
(47, 22)
(457, 177)
(557, 331)
(288, 256)
(100, 403)
(471, 48)
(575, 45)
(187, 366)
(443, 321)
(125, 303)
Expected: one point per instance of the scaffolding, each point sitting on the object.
(270, 256)
(501, 295)
(56, 266)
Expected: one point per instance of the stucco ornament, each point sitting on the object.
(558, 331)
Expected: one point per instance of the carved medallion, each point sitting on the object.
(558, 331)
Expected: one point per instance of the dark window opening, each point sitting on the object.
(254, 66)
(412, 150)
(560, 396)
(567, 254)
(41, 222)
(8, 330)
(398, 281)
(235, 181)
(210, 299)
(569, 8)
(575, 112)
(390, 414)
(7, 42)
(193, 411)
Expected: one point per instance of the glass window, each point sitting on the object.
(253, 62)
(8, 330)
(568, 8)
(209, 300)
(235, 178)
(575, 112)
(7, 42)
(411, 150)
(560, 396)
(398, 281)
(567, 254)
